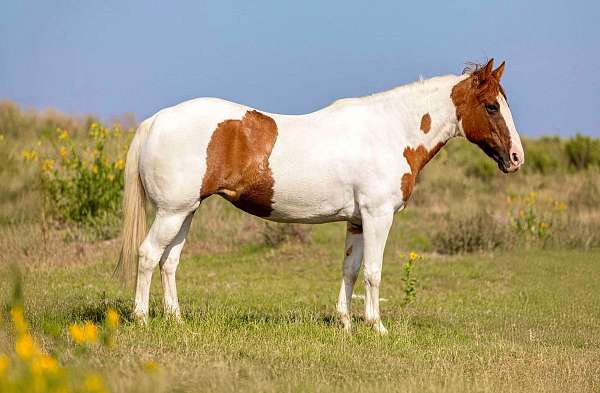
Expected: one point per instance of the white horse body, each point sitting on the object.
(325, 164)
(342, 163)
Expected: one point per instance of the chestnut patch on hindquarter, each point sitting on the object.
(426, 123)
(417, 159)
(237, 163)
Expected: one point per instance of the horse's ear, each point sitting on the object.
(497, 73)
(487, 69)
(483, 73)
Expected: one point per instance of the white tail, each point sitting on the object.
(134, 210)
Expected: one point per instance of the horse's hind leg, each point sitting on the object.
(163, 231)
(168, 267)
(352, 261)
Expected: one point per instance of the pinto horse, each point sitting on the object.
(356, 161)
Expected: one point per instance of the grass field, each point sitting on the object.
(263, 320)
(507, 294)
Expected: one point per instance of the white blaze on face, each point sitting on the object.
(517, 156)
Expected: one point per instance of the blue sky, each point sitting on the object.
(110, 57)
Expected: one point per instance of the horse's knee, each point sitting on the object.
(148, 257)
(372, 278)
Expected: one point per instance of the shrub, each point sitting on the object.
(80, 183)
(482, 168)
(480, 231)
(533, 216)
(583, 151)
(275, 234)
(540, 160)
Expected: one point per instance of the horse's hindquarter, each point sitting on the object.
(173, 155)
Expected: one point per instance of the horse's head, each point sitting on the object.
(484, 116)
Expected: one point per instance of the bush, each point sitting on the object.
(583, 151)
(275, 234)
(483, 168)
(80, 184)
(473, 232)
(540, 160)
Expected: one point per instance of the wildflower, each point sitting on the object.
(111, 177)
(63, 152)
(90, 332)
(4, 363)
(77, 333)
(413, 256)
(120, 164)
(95, 169)
(16, 314)
(29, 155)
(93, 383)
(63, 135)
(112, 318)
(150, 366)
(45, 364)
(48, 165)
(25, 347)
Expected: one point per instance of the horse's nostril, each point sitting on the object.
(515, 157)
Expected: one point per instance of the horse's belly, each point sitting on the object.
(311, 201)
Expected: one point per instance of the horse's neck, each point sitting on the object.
(421, 113)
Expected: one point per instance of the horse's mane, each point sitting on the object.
(472, 68)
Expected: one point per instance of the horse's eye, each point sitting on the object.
(491, 108)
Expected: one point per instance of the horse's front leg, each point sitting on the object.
(376, 226)
(352, 261)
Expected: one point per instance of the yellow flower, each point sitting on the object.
(84, 333)
(29, 155)
(63, 135)
(93, 383)
(112, 318)
(90, 332)
(95, 169)
(76, 332)
(111, 177)
(1, 137)
(16, 314)
(48, 165)
(63, 152)
(4, 363)
(413, 256)
(150, 366)
(119, 164)
(25, 347)
(45, 364)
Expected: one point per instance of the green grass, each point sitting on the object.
(264, 320)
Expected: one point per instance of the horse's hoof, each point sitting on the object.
(379, 328)
(141, 319)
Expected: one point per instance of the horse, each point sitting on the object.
(355, 160)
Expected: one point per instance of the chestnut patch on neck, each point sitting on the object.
(237, 163)
(426, 123)
(417, 159)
